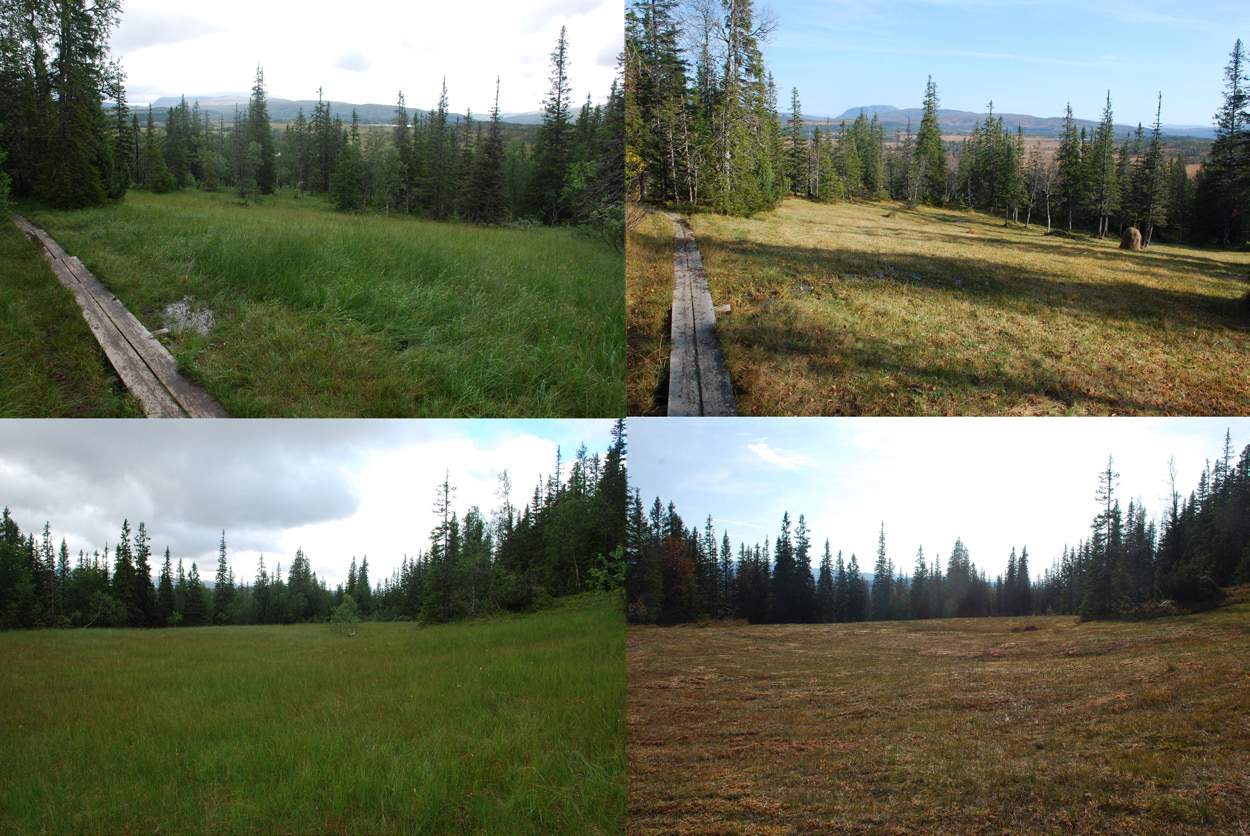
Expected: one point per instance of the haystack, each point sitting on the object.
(1131, 239)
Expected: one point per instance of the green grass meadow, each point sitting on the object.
(508, 725)
(320, 314)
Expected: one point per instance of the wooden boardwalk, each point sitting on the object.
(698, 380)
(144, 365)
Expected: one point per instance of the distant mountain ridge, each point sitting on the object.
(285, 110)
(961, 122)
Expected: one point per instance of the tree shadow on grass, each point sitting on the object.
(1026, 290)
(884, 361)
(988, 232)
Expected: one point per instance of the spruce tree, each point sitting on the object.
(796, 168)
(1105, 189)
(551, 144)
(165, 593)
(826, 594)
(930, 158)
(1154, 179)
(257, 130)
(144, 592)
(1071, 181)
(1223, 188)
(882, 583)
(487, 189)
(223, 586)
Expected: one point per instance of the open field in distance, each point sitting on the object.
(511, 724)
(871, 308)
(320, 314)
(961, 726)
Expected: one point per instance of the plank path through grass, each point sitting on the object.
(320, 314)
(968, 726)
(870, 308)
(142, 363)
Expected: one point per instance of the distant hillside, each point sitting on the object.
(285, 110)
(961, 122)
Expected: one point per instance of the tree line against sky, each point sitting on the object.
(568, 538)
(59, 143)
(703, 129)
(1127, 565)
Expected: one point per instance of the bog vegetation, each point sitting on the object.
(569, 538)
(328, 316)
(513, 724)
(979, 726)
(869, 308)
(705, 134)
(317, 314)
(1128, 565)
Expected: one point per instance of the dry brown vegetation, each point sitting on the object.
(977, 726)
(648, 307)
(878, 309)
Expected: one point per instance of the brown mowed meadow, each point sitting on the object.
(877, 309)
(961, 726)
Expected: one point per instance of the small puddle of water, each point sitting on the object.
(186, 316)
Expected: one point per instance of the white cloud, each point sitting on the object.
(768, 454)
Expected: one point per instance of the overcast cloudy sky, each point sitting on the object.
(1027, 56)
(337, 489)
(366, 51)
(995, 483)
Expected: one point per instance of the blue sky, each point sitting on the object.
(1027, 56)
(994, 482)
(337, 489)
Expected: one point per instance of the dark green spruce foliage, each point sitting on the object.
(58, 142)
(569, 538)
(712, 137)
(435, 165)
(1201, 545)
(1223, 189)
(256, 130)
(930, 160)
(551, 148)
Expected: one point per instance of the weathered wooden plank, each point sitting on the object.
(156, 401)
(709, 373)
(683, 369)
(196, 402)
(715, 387)
(145, 366)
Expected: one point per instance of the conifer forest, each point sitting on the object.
(706, 128)
(567, 538)
(68, 137)
(1129, 563)
(929, 260)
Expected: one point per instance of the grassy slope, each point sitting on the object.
(842, 310)
(509, 725)
(51, 363)
(322, 314)
(960, 726)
